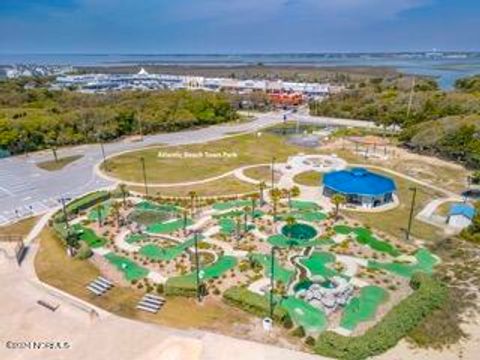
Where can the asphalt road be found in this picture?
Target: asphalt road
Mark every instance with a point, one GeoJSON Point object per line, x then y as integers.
{"type": "Point", "coordinates": [26, 189]}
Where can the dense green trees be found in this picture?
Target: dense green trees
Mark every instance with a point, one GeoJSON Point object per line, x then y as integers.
{"type": "Point", "coordinates": [32, 119]}
{"type": "Point", "coordinates": [434, 121]}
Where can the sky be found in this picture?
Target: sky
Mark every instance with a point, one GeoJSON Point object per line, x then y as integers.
{"type": "Point", "coordinates": [237, 26]}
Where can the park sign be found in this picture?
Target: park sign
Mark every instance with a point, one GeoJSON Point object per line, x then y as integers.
{"type": "Point", "coordinates": [197, 155]}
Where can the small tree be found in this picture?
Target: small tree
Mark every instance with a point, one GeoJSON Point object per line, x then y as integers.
{"type": "Point", "coordinates": [116, 212]}
{"type": "Point", "coordinates": [124, 192]}
{"type": "Point", "coordinates": [99, 209]}
{"type": "Point", "coordinates": [261, 188]}
{"type": "Point", "coordinates": [337, 200]}
{"type": "Point", "coordinates": [290, 222]}
{"type": "Point", "coordinates": [192, 195]}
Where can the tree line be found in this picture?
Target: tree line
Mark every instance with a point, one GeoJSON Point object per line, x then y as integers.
{"type": "Point", "coordinates": [444, 123]}
{"type": "Point", "coordinates": [38, 118]}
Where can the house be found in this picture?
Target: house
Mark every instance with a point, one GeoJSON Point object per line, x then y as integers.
{"type": "Point", "coordinates": [460, 215]}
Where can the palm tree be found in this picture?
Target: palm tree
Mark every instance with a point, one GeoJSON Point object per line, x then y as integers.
{"type": "Point", "coordinates": [337, 200]}
{"type": "Point", "coordinates": [193, 195]}
{"type": "Point", "coordinates": [290, 222]}
{"type": "Point", "coordinates": [295, 191]}
{"type": "Point", "coordinates": [254, 204]}
{"type": "Point", "coordinates": [275, 195]}
{"type": "Point", "coordinates": [124, 191]}
{"type": "Point", "coordinates": [238, 223]}
{"type": "Point", "coordinates": [261, 187]}
{"type": "Point", "coordinates": [99, 209]}
{"type": "Point", "coordinates": [185, 214]}
{"type": "Point", "coordinates": [116, 212]}
{"type": "Point", "coordinates": [246, 210]}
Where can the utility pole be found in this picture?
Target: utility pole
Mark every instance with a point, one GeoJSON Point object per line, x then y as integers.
{"type": "Point", "coordinates": [272, 277]}
{"type": "Point", "coordinates": [412, 208]}
{"type": "Point", "coordinates": [197, 265]}
{"type": "Point", "coordinates": [144, 170]}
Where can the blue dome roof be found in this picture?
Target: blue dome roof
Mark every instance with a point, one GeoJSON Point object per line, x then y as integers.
{"type": "Point", "coordinates": [359, 181]}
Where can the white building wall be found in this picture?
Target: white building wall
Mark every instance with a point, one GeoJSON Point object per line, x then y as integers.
{"type": "Point", "coordinates": [459, 221]}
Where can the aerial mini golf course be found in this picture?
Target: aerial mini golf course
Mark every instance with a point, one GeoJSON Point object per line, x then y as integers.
{"type": "Point", "coordinates": [307, 255]}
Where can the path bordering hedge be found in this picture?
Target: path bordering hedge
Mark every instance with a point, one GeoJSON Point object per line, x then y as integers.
{"type": "Point", "coordinates": [429, 295]}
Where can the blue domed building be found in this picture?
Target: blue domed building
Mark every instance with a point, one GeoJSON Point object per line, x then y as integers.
{"type": "Point", "coordinates": [360, 187]}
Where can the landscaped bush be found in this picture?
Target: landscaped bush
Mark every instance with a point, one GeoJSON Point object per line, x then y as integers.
{"type": "Point", "coordinates": [82, 203]}
{"type": "Point", "coordinates": [253, 303]}
{"type": "Point", "coordinates": [84, 251]}
{"type": "Point", "coordinates": [429, 295]}
{"type": "Point", "coordinates": [182, 286]}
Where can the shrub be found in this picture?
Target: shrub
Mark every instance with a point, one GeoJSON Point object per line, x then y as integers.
{"type": "Point", "coordinates": [299, 332]}
{"type": "Point", "coordinates": [253, 303]}
{"type": "Point", "coordinates": [84, 251]}
{"type": "Point", "coordinates": [310, 341]}
{"type": "Point", "coordinates": [429, 295]}
{"type": "Point", "coordinates": [287, 323]}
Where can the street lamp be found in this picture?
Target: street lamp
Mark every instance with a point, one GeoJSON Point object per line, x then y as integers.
{"type": "Point", "coordinates": [63, 201]}
{"type": "Point", "coordinates": [197, 265]}
{"type": "Point", "coordinates": [412, 208]}
{"type": "Point", "coordinates": [144, 170]}
{"type": "Point", "coordinates": [103, 155]}
{"type": "Point", "coordinates": [272, 278]}
{"type": "Point", "coordinates": [273, 172]}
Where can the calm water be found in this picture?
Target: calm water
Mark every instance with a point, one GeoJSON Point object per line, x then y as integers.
{"type": "Point", "coordinates": [446, 68]}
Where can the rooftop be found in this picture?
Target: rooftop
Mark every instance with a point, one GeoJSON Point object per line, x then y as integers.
{"type": "Point", "coordinates": [462, 209]}
{"type": "Point", "coordinates": [359, 181]}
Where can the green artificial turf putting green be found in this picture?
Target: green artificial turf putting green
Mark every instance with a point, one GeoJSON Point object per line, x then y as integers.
{"type": "Point", "coordinates": [89, 236]}
{"type": "Point", "coordinates": [217, 269]}
{"type": "Point", "coordinates": [342, 229]}
{"type": "Point", "coordinates": [131, 270]}
{"type": "Point", "coordinates": [168, 226]}
{"type": "Point", "coordinates": [282, 241]}
{"type": "Point", "coordinates": [280, 273]}
{"type": "Point", "coordinates": [303, 314]}
{"type": "Point", "coordinates": [304, 205]}
{"type": "Point", "coordinates": [156, 252]}
{"type": "Point", "coordinates": [364, 307]}
{"type": "Point", "coordinates": [365, 237]}
{"type": "Point", "coordinates": [426, 262]}
{"type": "Point", "coordinates": [134, 238]}
{"type": "Point", "coordinates": [105, 209]}
{"type": "Point", "coordinates": [318, 263]}
{"type": "Point", "coordinates": [227, 205]}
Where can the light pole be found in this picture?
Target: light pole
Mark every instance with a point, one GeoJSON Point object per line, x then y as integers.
{"type": "Point", "coordinates": [64, 209]}
{"type": "Point", "coordinates": [273, 172]}
{"type": "Point", "coordinates": [412, 208]}
{"type": "Point", "coordinates": [103, 155]}
{"type": "Point", "coordinates": [144, 170]}
{"type": "Point", "coordinates": [272, 278]}
{"type": "Point", "coordinates": [197, 265]}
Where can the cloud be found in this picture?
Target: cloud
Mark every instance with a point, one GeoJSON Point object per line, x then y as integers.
{"type": "Point", "coordinates": [246, 10]}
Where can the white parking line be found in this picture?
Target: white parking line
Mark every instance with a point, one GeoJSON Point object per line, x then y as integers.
{"type": "Point", "coordinates": [7, 191]}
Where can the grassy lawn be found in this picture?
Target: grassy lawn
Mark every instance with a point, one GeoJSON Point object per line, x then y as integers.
{"type": "Point", "coordinates": [262, 173]}
{"type": "Point", "coordinates": [226, 186]}
{"type": "Point", "coordinates": [52, 165]}
{"type": "Point", "coordinates": [54, 267]}
{"type": "Point", "coordinates": [395, 221]}
{"type": "Point", "coordinates": [244, 150]}
{"type": "Point", "coordinates": [22, 228]}
{"type": "Point", "coordinates": [309, 178]}
{"type": "Point", "coordinates": [444, 209]}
